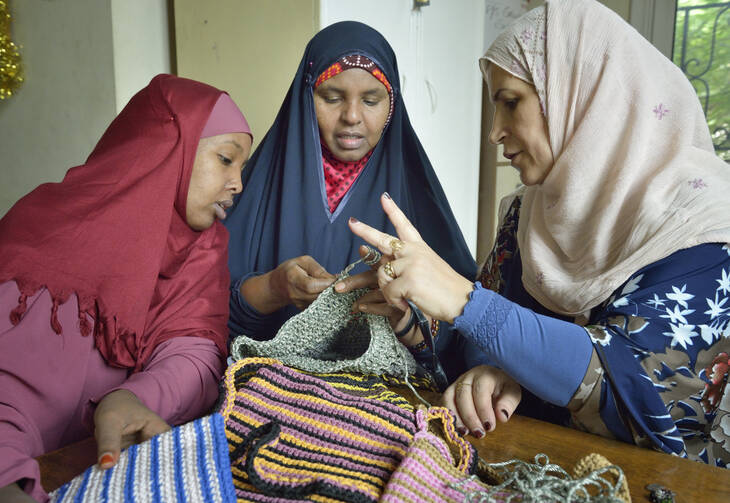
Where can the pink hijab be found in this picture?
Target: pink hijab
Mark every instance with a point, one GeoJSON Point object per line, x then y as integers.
{"type": "Point", "coordinates": [635, 175]}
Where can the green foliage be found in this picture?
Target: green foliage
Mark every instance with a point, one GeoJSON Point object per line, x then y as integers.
{"type": "Point", "coordinates": [712, 83]}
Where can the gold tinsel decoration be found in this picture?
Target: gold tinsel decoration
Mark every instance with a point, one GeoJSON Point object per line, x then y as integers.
{"type": "Point", "coordinates": [11, 69]}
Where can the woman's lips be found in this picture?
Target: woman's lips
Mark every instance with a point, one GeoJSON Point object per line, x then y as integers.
{"type": "Point", "coordinates": [220, 208]}
{"type": "Point", "coordinates": [349, 141]}
{"type": "Point", "coordinates": [512, 157]}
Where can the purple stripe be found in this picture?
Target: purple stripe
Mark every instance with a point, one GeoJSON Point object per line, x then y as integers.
{"type": "Point", "coordinates": [348, 485]}
{"type": "Point", "coordinates": [329, 414]}
{"type": "Point", "coordinates": [397, 491]}
{"type": "Point", "coordinates": [335, 461]}
{"type": "Point", "coordinates": [318, 387]}
{"type": "Point", "coordinates": [385, 456]}
{"type": "Point", "coordinates": [245, 495]}
{"type": "Point", "coordinates": [245, 404]}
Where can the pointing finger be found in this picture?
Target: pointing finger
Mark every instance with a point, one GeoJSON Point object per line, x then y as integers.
{"type": "Point", "coordinates": [405, 229]}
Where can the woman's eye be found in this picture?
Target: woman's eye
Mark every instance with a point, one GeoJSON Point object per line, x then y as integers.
{"type": "Point", "coordinates": [371, 103]}
{"type": "Point", "coordinates": [511, 104]}
{"type": "Point", "coordinates": [225, 160]}
{"type": "Point", "coordinates": [331, 99]}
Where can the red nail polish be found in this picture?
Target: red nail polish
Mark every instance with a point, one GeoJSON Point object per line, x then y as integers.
{"type": "Point", "coordinates": [461, 431]}
{"type": "Point", "coordinates": [487, 425]}
{"type": "Point", "coordinates": [506, 415]}
{"type": "Point", "coordinates": [477, 433]}
{"type": "Point", "coordinates": [106, 460]}
{"type": "Point", "coordinates": [353, 220]}
{"type": "Point", "coordinates": [387, 196]}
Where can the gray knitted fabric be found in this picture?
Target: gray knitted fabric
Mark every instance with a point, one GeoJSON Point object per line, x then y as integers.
{"type": "Point", "coordinates": [327, 337]}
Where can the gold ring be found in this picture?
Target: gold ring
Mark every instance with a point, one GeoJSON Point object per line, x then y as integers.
{"type": "Point", "coordinates": [396, 245]}
{"type": "Point", "coordinates": [388, 269]}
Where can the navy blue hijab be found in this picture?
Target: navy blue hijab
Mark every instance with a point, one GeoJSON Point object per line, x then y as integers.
{"type": "Point", "coordinates": [283, 213]}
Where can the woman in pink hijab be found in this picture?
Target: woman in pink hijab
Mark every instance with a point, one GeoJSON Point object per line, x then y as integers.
{"type": "Point", "coordinates": [114, 285]}
{"type": "Point", "coordinates": [606, 300]}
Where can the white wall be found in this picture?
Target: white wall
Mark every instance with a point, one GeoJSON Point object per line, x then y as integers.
{"type": "Point", "coordinates": [81, 59]}
{"type": "Point", "coordinates": [141, 45]}
{"type": "Point", "coordinates": [437, 50]}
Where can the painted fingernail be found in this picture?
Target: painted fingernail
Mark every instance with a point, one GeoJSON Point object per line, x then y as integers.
{"type": "Point", "coordinates": [387, 196]}
{"type": "Point", "coordinates": [506, 414]}
{"type": "Point", "coordinates": [106, 460]}
{"type": "Point", "coordinates": [487, 426]}
{"type": "Point", "coordinates": [477, 433]}
{"type": "Point", "coordinates": [354, 220]}
{"type": "Point", "coordinates": [462, 431]}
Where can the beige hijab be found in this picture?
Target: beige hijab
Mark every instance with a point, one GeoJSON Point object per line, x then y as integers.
{"type": "Point", "coordinates": [635, 175]}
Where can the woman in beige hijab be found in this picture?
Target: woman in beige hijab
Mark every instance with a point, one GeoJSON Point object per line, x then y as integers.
{"type": "Point", "coordinates": [606, 296]}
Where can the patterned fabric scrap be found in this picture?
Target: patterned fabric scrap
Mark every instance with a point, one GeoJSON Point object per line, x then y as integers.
{"type": "Point", "coordinates": [306, 438]}
{"type": "Point", "coordinates": [188, 463]}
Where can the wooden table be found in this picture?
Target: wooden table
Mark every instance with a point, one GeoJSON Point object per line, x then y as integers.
{"type": "Point", "coordinates": [520, 438]}
{"type": "Point", "coordinates": [524, 437]}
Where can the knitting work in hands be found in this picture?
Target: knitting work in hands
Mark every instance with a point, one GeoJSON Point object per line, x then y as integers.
{"type": "Point", "coordinates": [328, 337]}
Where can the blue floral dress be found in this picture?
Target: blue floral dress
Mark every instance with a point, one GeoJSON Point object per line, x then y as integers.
{"type": "Point", "coordinates": [659, 370]}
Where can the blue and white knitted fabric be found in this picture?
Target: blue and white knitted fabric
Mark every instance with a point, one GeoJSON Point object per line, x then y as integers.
{"type": "Point", "coordinates": [187, 464]}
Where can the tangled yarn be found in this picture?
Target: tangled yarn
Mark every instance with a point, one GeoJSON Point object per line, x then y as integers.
{"type": "Point", "coordinates": [543, 481]}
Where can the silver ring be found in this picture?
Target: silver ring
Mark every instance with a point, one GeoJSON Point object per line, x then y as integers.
{"type": "Point", "coordinates": [373, 256]}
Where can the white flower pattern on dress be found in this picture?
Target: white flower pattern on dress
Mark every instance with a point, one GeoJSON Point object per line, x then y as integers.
{"type": "Point", "coordinates": [680, 296]}
{"type": "Point", "coordinates": [661, 343]}
{"type": "Point", "coordinates": [681, 334]}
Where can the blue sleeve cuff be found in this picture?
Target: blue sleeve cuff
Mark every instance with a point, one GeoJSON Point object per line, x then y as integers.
{"type": "Point", "coordinates": [483, 314]}
{"type": "Point", "coordinates": [240, 300]}
{"type": "Point", "coordinates": [546, 355]}
{"type": "Point", "coordinates": [246, 319]}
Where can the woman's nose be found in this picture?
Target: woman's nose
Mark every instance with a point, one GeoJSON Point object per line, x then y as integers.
{"type": "Point", "coordinates": [235, 184]}
{"type": "Point", "coordinates": [496, 134]}
{"type": "Point", "coordinates": [351, 114]}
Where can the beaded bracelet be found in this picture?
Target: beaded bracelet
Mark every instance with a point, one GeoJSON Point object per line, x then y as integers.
{"type": "Point", "coordinates": [417, 348]}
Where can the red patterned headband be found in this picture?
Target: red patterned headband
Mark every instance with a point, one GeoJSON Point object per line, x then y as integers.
{"type": "Point", "coordinates": [357, 61]}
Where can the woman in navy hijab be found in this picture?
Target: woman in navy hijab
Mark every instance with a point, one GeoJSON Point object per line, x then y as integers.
{"type": "Point", "coordinates": [341, 138]}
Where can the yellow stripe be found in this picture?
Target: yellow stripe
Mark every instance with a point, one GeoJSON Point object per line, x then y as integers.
{"type": "Point", "coordinates": [317, 448]}
{"type": "Point", "coordinates": [332, 429]}
{"type": "Point", "coordinates": [259, 464]}
{"type": "Point", "coordinates": [321, 402]}
{"type": "Point", "coordinates": [316, 467]}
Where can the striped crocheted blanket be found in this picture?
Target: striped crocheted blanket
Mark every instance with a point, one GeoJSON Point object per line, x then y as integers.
{"type": "Point", "coordinates": [187, 464]}
{"type": "Point", "coordinates": [304, 437]}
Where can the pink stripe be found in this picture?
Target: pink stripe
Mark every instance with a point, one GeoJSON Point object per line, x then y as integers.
{"type": "Point", "coordinates": [322, 389]}
{"type": "Point", "coordinates": [328, 417]}
{"type": "Point", "coordinates": [391, 458]}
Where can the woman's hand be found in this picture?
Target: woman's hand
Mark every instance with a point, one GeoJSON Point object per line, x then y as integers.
{"type": "Point", "coordinates": [121, 420]}
{"type": "Point", "coordinates": [299, 281]}
{"type": "Point", "coordinates": [481, 397]}
{"type": "Point", "coordinates": [415, 271]}
{"type": "Point", "coordinates": [374, 301]}
{"type": "Point", "coordinates": [296, 281]}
